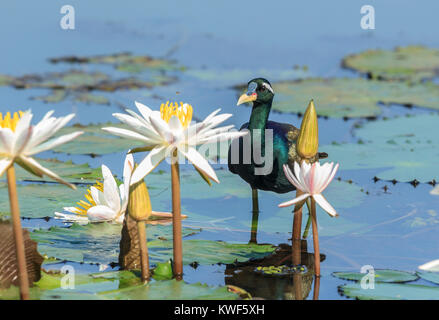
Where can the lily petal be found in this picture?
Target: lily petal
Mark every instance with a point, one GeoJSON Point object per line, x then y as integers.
{"type": "Point", "coordinates": [4, 165]}
{"type": "Point", "coordinates": [320, 199]}
{"type": "Point", "coordinates": [37, 168]}
{"type": "Point", "coordinates": [200, 162]}
{"type": "Point", "coordinates": [101, 213]}
{"type": "Point", "coordinates": [152, 160]}
{"type": "Point", "coordinates": [300, 198]}
{"type": "Point", "coordinates": [111, 191]}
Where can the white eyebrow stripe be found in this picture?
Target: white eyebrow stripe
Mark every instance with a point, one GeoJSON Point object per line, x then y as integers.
{"type": "Point", "coordinates": [266, 85]}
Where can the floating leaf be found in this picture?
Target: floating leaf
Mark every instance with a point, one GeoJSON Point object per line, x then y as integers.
{"type": "Point", "coordinates": [207, 252]}
{"type": "Point", "coordinates": [172, 290]}
{"type": "Point", "coordinates": [347, 97]}
{"type": "Point", "coordinates": [67, 170]}
{"type": "Point", "coordinates": [95, 141]}
{"type": "Point", "coordinates": [429, 276]}
{"type": "Point", "coordinates": [391, 291]}
{"type": "Point", "coordinates": [401, 148]}
{"type": "Point", "coordinates": [122, 61]}
{"type": "Point", "coordinates": [381, 275]}
{"type": "Point", "coordinates": [42, 200]}
{"type": "Point", "coordinates": [77, 85]}
{"type": "Point", "coordinates": [92, 243]}
{"type": "Point", "coordinates": [413, 63]}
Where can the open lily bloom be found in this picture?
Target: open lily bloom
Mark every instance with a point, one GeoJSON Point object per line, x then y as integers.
{"type": "Point", "coordinates": [19, 141]}
{"type": "Point", "coordinates": [106, 202]}
{"type": "Point", "coordinates": [311, 179]}
{"type": "Point", "coordinates": [170, 129]}
{"type": "Point", "coordinates": [432, 266]}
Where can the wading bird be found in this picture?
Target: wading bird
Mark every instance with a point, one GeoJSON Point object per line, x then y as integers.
{"type": "Point", "coordinates": [244, 163]}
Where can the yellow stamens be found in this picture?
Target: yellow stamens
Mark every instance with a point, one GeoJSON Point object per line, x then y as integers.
{"type": "Point", "coordinates": [182, 112]}
{"type": "Point", "coordinates": [10, 122]}
{"type": "Point", "coordinates": [83, 206]}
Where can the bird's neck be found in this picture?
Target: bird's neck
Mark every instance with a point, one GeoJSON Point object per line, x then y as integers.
{"type": "Point", "coordinates": [259, 116]}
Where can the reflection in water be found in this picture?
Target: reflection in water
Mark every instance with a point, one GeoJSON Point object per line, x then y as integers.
{"type": "Point", "coordinates": [276, 286]}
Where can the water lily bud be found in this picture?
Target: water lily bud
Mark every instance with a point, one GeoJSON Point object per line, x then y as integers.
{"type": "Point", "coordinates": [308, 140]}
{"type": "Point", "coordinates": [139, 204]}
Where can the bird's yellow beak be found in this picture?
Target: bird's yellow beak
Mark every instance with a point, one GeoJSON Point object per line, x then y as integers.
{"type": "Point", "coordinates": [247, 98]}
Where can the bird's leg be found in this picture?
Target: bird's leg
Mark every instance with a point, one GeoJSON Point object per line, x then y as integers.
{"type": "Point", "coordinates": [255, 216]}
{"type": "Point", "coordinates": [308, 222]}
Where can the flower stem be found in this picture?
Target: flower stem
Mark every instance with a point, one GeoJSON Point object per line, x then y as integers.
{"type": "Point", "coordinates": [315, 236]}
{"type": "Point", "coordinates": [144, 261]}
{"type": "Point", "coordinates": [176, 218]}
{"type": "Point", "coordinates": [308, 222]}
{"type": "Point", "coordinates": [18, 234]}
{"type": "Point", "coordinates": [297, 229]}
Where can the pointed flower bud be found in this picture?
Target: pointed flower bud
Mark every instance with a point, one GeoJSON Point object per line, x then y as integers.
{"type": "Point", "coordinates": [308, 140]}
{"type": "Point", "coordinates": [139, 203]}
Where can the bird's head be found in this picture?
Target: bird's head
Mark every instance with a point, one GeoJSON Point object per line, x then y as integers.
{"type": "Point", "coordinates": [259, 90]}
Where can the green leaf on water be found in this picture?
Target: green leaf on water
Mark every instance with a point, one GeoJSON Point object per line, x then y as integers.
{"type": "Point", "coordinates": [411, 155]}
{"type": "Point", "coordinates": [390, 291]}
{"type": "Point", "coordinates": [42, 200]}
{"type": "Point", "coordinates": [67, 170]}
{"type": "Point", "coordinates": [350, 97]}
{"type": "Point", "coordinates": [93, 243]}
{"type": "Point", "coordinates": [118, 285]}
{"type": "Point", "coordinates": [381, 275]}
{"type": "Point", "coordinates": [207, 252]}
{"type": "Point", "coordinates": [413, 63]}
{"type": "Point", "coordinates": [95, 141]}
{"type": "Point", "coordinates": [429, 276]}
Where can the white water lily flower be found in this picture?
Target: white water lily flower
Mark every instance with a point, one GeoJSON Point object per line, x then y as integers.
{"type": "Point", "coordinates": [311, 179]}
{"type": "Point", "coordinates": [19, 141]}
{"type": "Point", "coordinates": [106, 202]}
{"type": "Point", "coordinates": [169, 129]}
{"type": "Point", "coordinates": [432, 266]}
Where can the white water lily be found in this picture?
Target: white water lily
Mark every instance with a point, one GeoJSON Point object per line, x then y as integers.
{"type": "Point", "coordinates": [311, 179]}
{"type": "Point", "coordinates": [106, 202]}
{"type": "Point", "coordinates": [432, 266]}
{"type": "Point", "coordinates": [169, 129]}
{"type": "Point", "coordinates": [19, 141]}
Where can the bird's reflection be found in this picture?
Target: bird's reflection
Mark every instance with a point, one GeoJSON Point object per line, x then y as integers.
{"type": "Point", "coordinates": [293, 285]}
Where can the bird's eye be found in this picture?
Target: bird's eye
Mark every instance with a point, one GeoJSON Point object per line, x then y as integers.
{"type": "Point", "coordinates": [262, 89]}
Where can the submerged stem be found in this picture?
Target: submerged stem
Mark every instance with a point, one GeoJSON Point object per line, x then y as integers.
{"type": "Point", "coordinates": [315, 235]}
{"type": "Point", "coordinates": [297, 230]}
{"type": "Point", "coordinates": [18, 234]}
{"type": "Point", "coordinates": [144, 260]}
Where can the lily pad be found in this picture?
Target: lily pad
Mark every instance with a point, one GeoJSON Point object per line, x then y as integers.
{"type": "Point", "coordinates": [351, 98]}
{"type": "Point", "coordinates": [172, 290]}
{"type": "Point", "coordinates": [81, 173]}
{"type": "Point", "coordinates": [401, 148]}
{"type": "Point", "coordinates": [125, 62]}
{"type": "Point", "coordinates": [381, 275]}
{"type": "Point", "coordinates": [119, 285]}
{"type": "Point", "coordinates": [413, 63]}
{"type": "Point", "coordinates": [94, 141]}
{"type": "Point", "coordinates": [77, 85]}
{"type": "Point", "coordinates": [41, 200]}
{"type": "Point", "coordinates": [207, 252]}
{"type": "Point", "coordinates": [92, 243]}
{"type": "Point", "coordinates": [391, 291]}
{"type": "Point", "coordinates": [429, 276]}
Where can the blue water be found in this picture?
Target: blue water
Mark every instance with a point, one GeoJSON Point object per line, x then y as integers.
{"type": "Point", "coordinates": [252, 38]}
